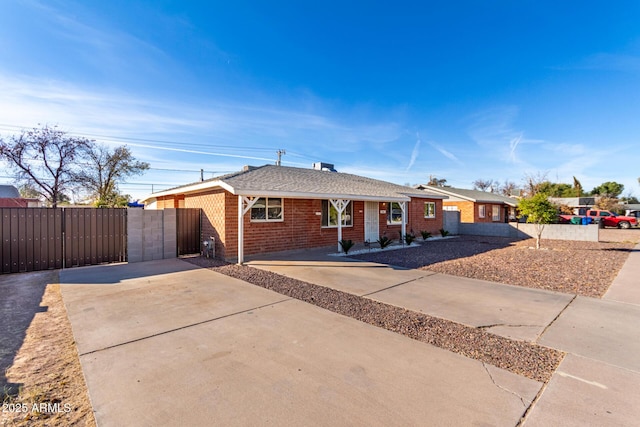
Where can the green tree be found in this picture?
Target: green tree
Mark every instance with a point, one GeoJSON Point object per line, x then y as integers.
{"type": "Point", "coordinates": [44, 158]}
{"type": "Point", "coordinates": [106, 169]}
{"type": "Point", "coordinates": [28, 191]}
{"type": "Point", "coordinates": [553, 189]}
{"type": "Point", "coordinates": [609, 189]}
{"type": "Point", "coordinates": [539, 211]}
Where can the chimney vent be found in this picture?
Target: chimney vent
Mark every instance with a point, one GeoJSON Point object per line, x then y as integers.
{"type": "Point", "coordinates": [321, 166]}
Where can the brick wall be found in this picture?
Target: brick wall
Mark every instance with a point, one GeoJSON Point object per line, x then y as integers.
{"type": "Point", "coordinates": [213, 204]}
{"type": "Point", "coordinates": [301, 228]}
{"type": "Point", "coordinates": [469, 211]}
{"type": "Point", "coordinates": [416, 221]}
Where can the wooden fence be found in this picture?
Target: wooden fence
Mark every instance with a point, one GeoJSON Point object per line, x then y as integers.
{"type": "Point", "coordinates": [49, 238]}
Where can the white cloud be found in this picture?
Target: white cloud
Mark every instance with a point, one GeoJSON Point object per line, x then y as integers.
{"type": "Point", "coordinates": [414, 153]}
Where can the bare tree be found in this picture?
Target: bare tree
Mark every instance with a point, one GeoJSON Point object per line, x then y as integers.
{"type": "Point", "coordinates": [483, 184]}
{"type": "Point", "coordinates": [508, 188]}
{"type": "Point", "coordinates": [533, 182]}
{"type": "Point", "coordinates": [44, 157]}
{"type": "Point", "coordinates": [437, 182]}
{"type": "Point", "coordinates": [106, 169]}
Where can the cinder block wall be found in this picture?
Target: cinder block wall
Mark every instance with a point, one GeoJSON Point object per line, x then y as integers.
{"type": "Point", "coordinates": [451, 221]}
{"type": "Point", "coordinates": [516, 230]}
{"type": "Point", "coordinates": [151, 234]}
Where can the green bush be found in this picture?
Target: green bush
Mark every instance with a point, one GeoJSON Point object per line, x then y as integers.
{"type": "Point", "coordinates": [425, 234]}
{"type": "Point", "coordinates": [346, 245]}
{"type": "Point", "coordinates": [384, 241]}
{"type": "Point", "coordinates": [443, 232]}
{"type": "Point", "coordinates": [409, 238]}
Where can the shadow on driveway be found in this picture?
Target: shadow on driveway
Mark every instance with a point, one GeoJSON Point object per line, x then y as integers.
{"type": "Point", "coordinates": [110, 274]}
{"type": "Point", "coordinates": [435, 251]}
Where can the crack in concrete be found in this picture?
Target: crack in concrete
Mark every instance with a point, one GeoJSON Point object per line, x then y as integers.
{"type": "Point", "coordinates": [555, 318]}
{"type": "Point", "coordinates": [525, 402]}
{"type": "Point", "coordinates": [508, 325]}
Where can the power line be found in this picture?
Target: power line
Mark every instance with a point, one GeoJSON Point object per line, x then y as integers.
{"type": "Point", "coordinates": [153, 141]}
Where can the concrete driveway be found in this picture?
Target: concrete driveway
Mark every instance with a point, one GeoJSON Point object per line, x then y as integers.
{"type": "Point", "coordinates": [165, 343]}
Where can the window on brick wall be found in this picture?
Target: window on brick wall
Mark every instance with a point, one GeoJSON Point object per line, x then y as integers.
{"type": "Point", "coordinates": [495, 213]}
{"type": "Point", "coordinates": [267, 209]}
{"type": "Point", "coordinates": [482, 211]}
{"type": "Point", "coordinates": [429, 210]}
{"type": "Point", "coordinates": [394, 214]}
{"type": "Point", "coordinates": [330, 215]}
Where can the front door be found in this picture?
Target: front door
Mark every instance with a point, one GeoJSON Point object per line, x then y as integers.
{"type": "Point", "coordinates": [371, 226]}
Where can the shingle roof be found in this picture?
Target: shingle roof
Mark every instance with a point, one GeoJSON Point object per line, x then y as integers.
{"type": "Point", "coordinates": [9, 192]}
{"type": "Point", "coordinates": [471, 195]}
{"type": "Point", "coordinates": [283, 181]}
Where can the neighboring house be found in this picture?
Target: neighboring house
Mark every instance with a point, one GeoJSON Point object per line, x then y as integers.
{"type": "Point", "coordinates": [10, 198]}
{"type": "Point", "coordinates": [632, 210]}
{"type": "Point", "coordinates": [577, 204]}
{"type": "Point", "coordinates": [475, 205]}
{"type": "Point", "coordinates": [275, 208]}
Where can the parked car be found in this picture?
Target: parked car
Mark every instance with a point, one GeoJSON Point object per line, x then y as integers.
{"type": "Point", "coordinates": [606, 218]}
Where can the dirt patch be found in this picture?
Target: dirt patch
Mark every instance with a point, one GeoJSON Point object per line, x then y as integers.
{"type": "Point", "coordinates": [631, 235]}
{"type": "Point", "coordinates": [583, 268]}
{"type": "Point", "coordinates": [44, 384]}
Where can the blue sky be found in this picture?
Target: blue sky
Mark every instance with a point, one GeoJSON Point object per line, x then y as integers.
{"type": "Point", "coordinates": [391, 90]}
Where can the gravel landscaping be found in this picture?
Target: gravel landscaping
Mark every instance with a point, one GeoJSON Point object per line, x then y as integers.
{"type": "Point", "coordinates": [583, 268]}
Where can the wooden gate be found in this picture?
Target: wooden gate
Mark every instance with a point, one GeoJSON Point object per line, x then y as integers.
{"type": "Point", "coordinates": [188, 231]}
{"type": "Point", "coordinates": [48, 238]}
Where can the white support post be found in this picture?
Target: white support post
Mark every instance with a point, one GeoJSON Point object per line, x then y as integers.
{"type": "Point", "coordinates": [240, 230]}
{"type": "Point", "coordinates": [244, 205]}
{"type": "Point", "coordinates": [340, 206]}
{"type": "Point", "coordinates": [403, 207]}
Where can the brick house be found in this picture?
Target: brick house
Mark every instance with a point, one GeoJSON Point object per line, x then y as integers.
{"type": "Point", "coordinates": [274, 208]}
{"type": "Point", "coordinates": [475, 205]}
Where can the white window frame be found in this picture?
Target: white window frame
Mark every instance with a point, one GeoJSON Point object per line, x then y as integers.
{"type": "Point", "coordinates": [347, 215]}
{"type": "Point", "coordinates": [495, 213]}
{"type": "Point", "coordinates": [390, 213]}
{"type": "Point", "coordinates": [267, 207]}
{"type": "Point", "coordinates": [482, 211]}
{"type": "Point", "coordinates": [430, 210]}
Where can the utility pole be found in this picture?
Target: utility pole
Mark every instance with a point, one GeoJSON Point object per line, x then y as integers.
{"type": "Point", "coordinates": [201, 175]}
{"type": "Point", "coordinates": [280, 153]}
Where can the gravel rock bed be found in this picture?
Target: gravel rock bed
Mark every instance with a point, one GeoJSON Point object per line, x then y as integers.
{"type": "Point", "coordinates": [583, 268]}
{"type": "Point", "coordinates": [523, 358]}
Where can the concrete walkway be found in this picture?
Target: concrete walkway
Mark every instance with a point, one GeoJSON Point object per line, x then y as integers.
{"type": "Point", "coordinates": [598, 383]}
{"type": "Point", "coordinates": [165, 343]}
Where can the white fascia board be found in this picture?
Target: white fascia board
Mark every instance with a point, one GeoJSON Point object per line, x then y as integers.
{"type": "Point", "coordinates": [323, 196]}
{"type": "Point", "coordinates": [426, 196]}
{"type": "Point", "coordinates": [191, 188]}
